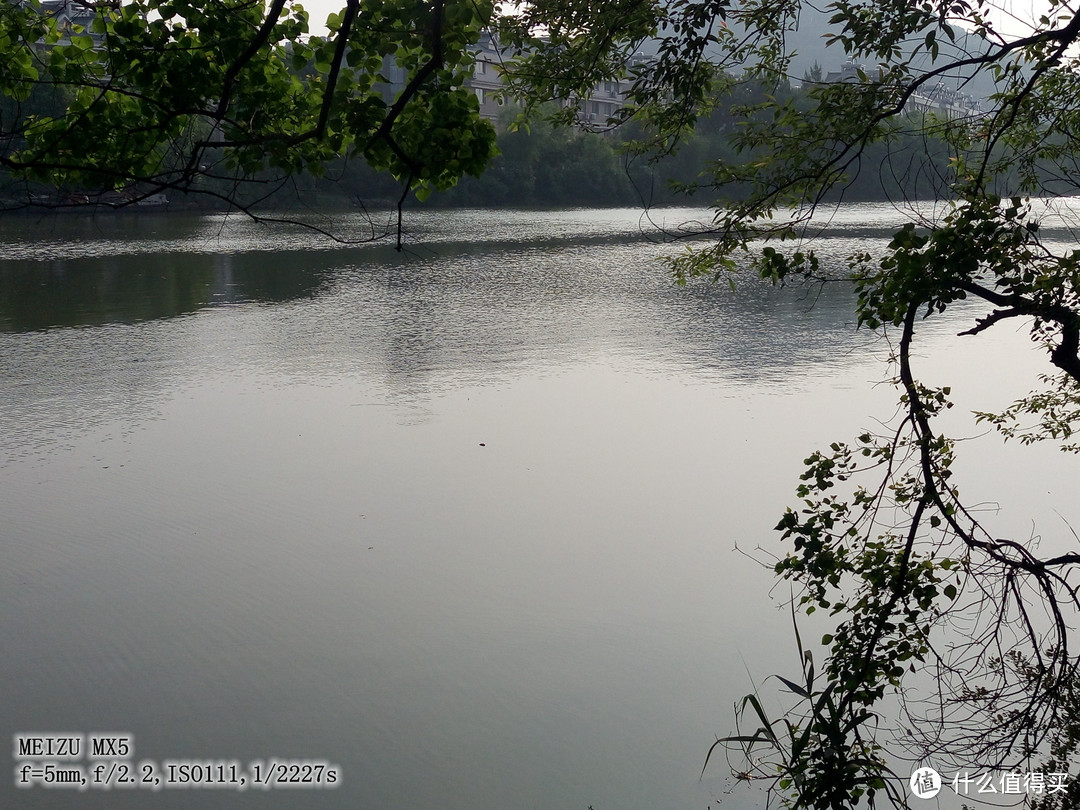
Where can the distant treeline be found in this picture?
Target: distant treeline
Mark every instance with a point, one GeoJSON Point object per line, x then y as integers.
{"type": "Point", "coordinates": [555, 166]}
{"type": "Point", "coordinates": [544, 165]}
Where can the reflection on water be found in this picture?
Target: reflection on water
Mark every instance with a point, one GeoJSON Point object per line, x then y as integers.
{"type": "Point", "coordinates": [127, 288]}
{"type": "Point", "coordinates": [460, 521]}
{"type": "Point", "coordinates": [505, 309]}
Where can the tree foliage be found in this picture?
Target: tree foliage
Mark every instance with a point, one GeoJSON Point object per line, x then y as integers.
{"type": "Point", "coordinates": [199, 96]}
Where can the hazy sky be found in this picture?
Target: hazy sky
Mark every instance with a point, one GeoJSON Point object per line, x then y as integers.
{"type": "Point", "coordinates": [318, 10]}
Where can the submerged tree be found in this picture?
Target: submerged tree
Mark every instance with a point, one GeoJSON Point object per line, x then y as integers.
{"type": "Point", "coordinates": [186, 95]}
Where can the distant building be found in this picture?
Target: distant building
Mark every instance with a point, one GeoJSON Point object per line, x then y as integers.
{"type": "Point", "coordinates": [487, 79]}
{"type": "Point", "coordinates": [604, 104]}
{"type": "Point", "coordinates": [849, 72]}
{"type": "Point", "coordinates": [944, 101]}
{"type": "Point", "coordinates": [938, 98]}
{"type": "Point", "coordinates": [70, 14]}
{"type": "Point", "coordinates": [488, 82]}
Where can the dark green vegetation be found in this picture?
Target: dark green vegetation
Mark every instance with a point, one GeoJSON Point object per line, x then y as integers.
{"type": "Point", "coordinates": [231, 98]}
{"type": "Point", "coordinates": [551, 165]}
{"type": "Point", "coordinates": [191, 96]}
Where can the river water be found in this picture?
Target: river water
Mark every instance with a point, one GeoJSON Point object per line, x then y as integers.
{"type": "Point", "coordinates": [460, 521]}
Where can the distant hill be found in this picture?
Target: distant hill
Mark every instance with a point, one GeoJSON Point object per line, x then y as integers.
{"type": "Point", "coordinates": [809, 44]}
